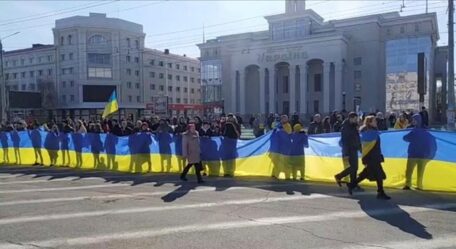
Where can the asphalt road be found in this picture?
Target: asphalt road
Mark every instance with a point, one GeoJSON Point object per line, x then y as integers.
{"type": "Point", "coordinates": [65, 208]}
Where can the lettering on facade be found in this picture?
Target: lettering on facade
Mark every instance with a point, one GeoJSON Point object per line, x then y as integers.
{"type": "Point", "coordinates": [284, 56]}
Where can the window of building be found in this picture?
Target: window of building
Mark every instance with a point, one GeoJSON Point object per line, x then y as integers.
{"type": "Point", "coordinates": [185, 90]}
{"type": "Point", "coordinates": [23, 75]}
{"type": "Point", "coordinates": [137, 85]}
{"type": "Point", "coordinates": [70, 38]}
{"type": "Point", "coordinates": [40, 72]}
{"type": "Point", "coordinates": [137, 59]}
{"type": "Point", "coordinates": [317, 82]}
{"type": "Point", "coordinates": [192, 90]}
{"type": "Point", "coordinates": [130, 98]}
{"type": "Point", "coordinates": [170, 65]}
{"type": "Point", "coordinates": [192, 80]}
{"type": "Point", "coordinates": [100, 59]}
{"type": "Point", "coordinates": [162, 88]}
{"type": "Point", "coordinates": [170, 77]}
{"type": "Point", "coordinates": [14, 63]}
{"type": "Point", "coordinates": [170, 88]}
{"type": "Point", "coordinates": [23, 87]}
{"type": "Point", "coordinates": [138, 99]}
{"type": "Point", "coordinates": [177, 66]}
{"type": "Point", "coordinates": [49, 58]}
{"type": "Point", "coordinates": [161, 63]}
{"type": "Point", "coordinates": [137, 44]}
{"type": "Point", "coordinates": [6, 76]}
{"type": "Point", "coordinates": [62, 40]}
{"type": "Point", "coordinates": [185, 68]}
{"type": "Point", "coordinates": [137, 72]}
{"type": "Point", "coordinates": [185, 79]}
{"type": "Point", "coordinates": [32, 86]}
{"type": "Point", "coordinates": [49, 71]}
{"type": "Point", "coordinates": [129, 85]}
{"type": "Point", "coordinates": [152, 87]}
{"type": "Point", "coordinates": [161, 76]}
{"type": "Point", "coordinates": [199, 81]}
{"type": "Point", "coordinates": [152, 74]}
{"type": "Point", "coordinates": [152, 62]}
{"type": "Point", "coordinates": [128, 71]}
{"type": "Point", "coordinates": [72, 98]}
{"type": "Point", "coordinates": [128, 58]}
{"type": "Point", "coordinates": [63, 84]}
{"type": "Point", "coordinates": [6, 63]}
{"type": "Point", "coordinates": [22, 62]}
{"type": "Point", "coordinates": [100, 72]}
{"type": "Point", "coordinates": [178, 100]}
{"type": "Point", "coordinates": [357, 61]}
{"type": "Point", "coordinates": [199, 70]}
{"type": "Point", "coordinates": [31, 60]}
{"type": "Point", "coordinates": [178, 78]}
{"type": "Point", "coordinates": [71, 56]}
{"type": "Point", "coordinates": [417, 27]}
{"type": "Point", "coordinates": [402, 29]}
{"type": "Point", "coordinates": [357, 75]}
{"type": "Point", "coordinates": [192, 101]}
{"type": "Point", "coordinates": [178, 89]}
{"type": "Point", "coordinates": [62, 57]}
{"type": "Point", "coordinates": [63, 98]}
{"type": "Point", "coordinates": [185, 101]}
{"type": "Point", "coordinates": [40, 59]}
{"type": "Point", "coordinates": [193, 69]}
{"type": "Point", "coordinates": [71, 83]}
{"type": "Point", "coordinates": [32, 74]}
{"type": "Point", "coordinates": [128, 44]}
{"type": "Point", "coordinates": [14, 75]}
{"type": "Point", "coordinates": [70, 70]}
{"type": "Point", "coordinates": [97, 39]}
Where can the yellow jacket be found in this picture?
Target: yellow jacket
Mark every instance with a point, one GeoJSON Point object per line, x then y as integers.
{"type": "Point", "coordinates": [401, 125]}
{"type": "Point", "coordinates": [287, 128]}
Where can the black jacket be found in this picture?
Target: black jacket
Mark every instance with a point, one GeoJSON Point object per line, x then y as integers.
{"type": "Point", "coordinates": [381, 124]}
{"type": "Point", "coordinates": [230, 131]}
{"type": "Point", "coordinates": [349, 140]}
{"type": "Point", "coordinates": [315, 128]}
{"type": "Point", "coordinates": [207, 133]}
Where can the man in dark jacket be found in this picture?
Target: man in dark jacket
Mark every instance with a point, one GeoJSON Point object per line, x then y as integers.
{"type": "Point", "coordinates": [351, 144]}
{"type": "Point", "coordinates": [424, 117]}
{"type": "Point", "coordinates": [381, 122]}
{"type": "Point", "coordinates": [316, 127]}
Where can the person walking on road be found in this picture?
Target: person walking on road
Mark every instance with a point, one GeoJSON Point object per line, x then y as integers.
{"type": "Point", "coordinates": [372, 158]}
{"type": "Point", "coordinates": [191, 152]}
{"type": "Point", "coordinates": [351, 144]}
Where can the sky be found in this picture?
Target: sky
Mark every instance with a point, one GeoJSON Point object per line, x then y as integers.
{"type": "Point", "coordinates": [178, 25]}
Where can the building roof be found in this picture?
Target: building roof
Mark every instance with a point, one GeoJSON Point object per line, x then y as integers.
{"type": "Point", "coordinates": [35, 47]}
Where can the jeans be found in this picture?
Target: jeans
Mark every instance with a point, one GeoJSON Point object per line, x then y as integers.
{"type": "Point", "coordinates": [353, 167]}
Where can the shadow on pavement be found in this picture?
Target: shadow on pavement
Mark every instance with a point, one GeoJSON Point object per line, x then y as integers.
{"type": "Point", "coordinates": [367, 200]}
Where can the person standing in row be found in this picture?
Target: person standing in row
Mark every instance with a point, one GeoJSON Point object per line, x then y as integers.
{"type": "Point", "coordinates": [191, 152]}
{"type": "Point", "coordinates": [351, 144]}
{"type": "Point", "coordinates": [372, 158]}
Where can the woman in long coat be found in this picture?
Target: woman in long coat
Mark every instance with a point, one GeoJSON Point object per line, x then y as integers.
{"type": "Point", "coordinates": [372, 158]}
{"type": "Point", "coordinates": [191, 152]}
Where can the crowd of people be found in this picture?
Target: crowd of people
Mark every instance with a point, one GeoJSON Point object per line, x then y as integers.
{"type": "Point", "coordinates": [229, 126]}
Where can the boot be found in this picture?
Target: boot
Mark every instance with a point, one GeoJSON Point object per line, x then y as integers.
{"type": "Point", "coordinates": [350, 189]}
{"type": "Point", "coordinates": [382, 196]}
{"type": "Point", "coordinates": [338, 180]}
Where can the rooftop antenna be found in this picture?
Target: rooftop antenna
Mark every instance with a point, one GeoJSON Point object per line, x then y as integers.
{"type": "Point", "coordinates": [204, 35]}
{"type": "Point", "coordinates": [402, 6]}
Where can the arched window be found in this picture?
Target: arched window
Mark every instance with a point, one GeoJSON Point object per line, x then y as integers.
{"type": "Point", "coordinates": [97, 39]}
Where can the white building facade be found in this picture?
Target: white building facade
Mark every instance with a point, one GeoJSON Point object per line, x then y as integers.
{"type": "Point", "coordinates": [91, 57]}
{"type": "Point", "coordinates": [306, 65]}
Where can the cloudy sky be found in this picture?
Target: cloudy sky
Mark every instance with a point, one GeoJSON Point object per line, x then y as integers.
{"type": "Point", "coordinates": [178, 25]}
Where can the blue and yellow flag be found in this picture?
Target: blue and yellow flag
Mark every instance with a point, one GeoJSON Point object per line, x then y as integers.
{"type": "Point", "coordinates": [112, 106]}
{"type": "Point", "coordinates": [368, 140]}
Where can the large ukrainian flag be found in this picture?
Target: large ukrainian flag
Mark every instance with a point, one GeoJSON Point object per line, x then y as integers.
{"type": "Point", "coordinates": [112, 106]}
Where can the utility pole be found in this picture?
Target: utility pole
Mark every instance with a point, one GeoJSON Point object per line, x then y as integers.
{"type": "Point", "coordinates": [451, 97]}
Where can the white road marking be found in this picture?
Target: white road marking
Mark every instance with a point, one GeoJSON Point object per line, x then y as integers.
{"type": "Point", "coordinates": [49, 217]}
{"type": "Point", "coordinates": [267, 221]}
{"type": "Point", "coordinates": [15, 191]}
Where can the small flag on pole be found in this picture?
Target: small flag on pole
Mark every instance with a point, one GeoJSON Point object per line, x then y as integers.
{"type": "Point", "coordinates": [112, 106]}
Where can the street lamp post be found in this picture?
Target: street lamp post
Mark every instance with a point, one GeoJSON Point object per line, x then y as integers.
{"type": "Point", "coordinates": [343, 100]}
{"type": "Point", "coordinates": [3, 81]}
